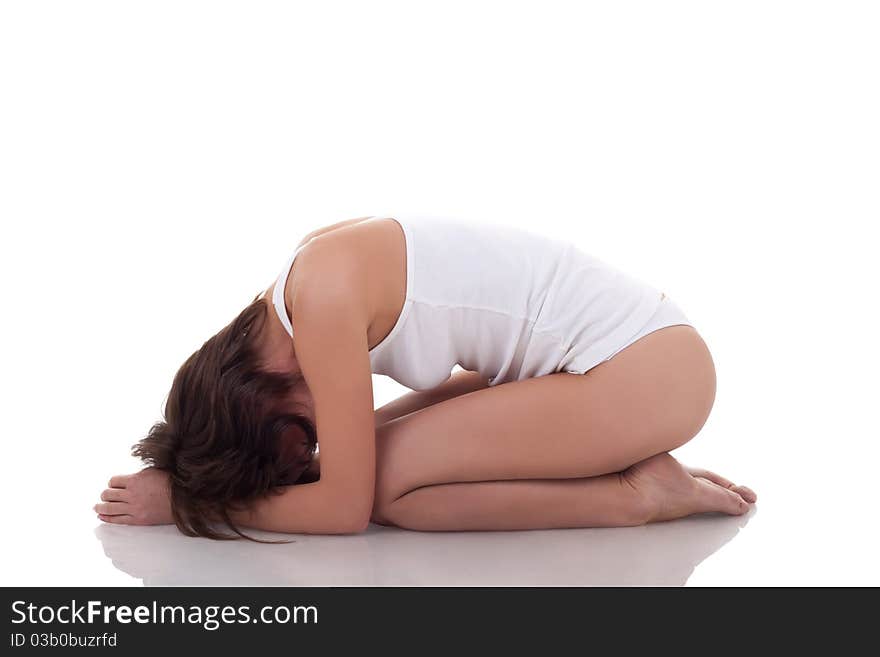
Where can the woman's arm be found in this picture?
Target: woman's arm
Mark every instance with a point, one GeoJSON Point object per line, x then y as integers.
{"type": "Point", "coordinates": [458, 384]}
{"type": "Point", "coordinates": [330, 318]}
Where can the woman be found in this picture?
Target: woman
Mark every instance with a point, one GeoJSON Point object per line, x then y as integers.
{"type": "Point", "coordinates": [577, 381]}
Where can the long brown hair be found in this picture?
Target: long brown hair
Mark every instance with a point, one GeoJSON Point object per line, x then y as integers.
{"type": "Point", "coordinates": [229, 434]}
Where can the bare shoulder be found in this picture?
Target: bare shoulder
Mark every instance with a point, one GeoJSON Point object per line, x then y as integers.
{"type": "Point", "coordinates": [345, 269]}
{"type": "Point", "coordinates": [348, 249]}
{"type": "Point", "coordinates": [331, 228]}
{"type": "Point", "coordinates": [330, 271]}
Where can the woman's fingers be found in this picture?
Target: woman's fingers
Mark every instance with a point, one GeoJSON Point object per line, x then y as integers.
{"type": "Point", "coordinates": [117, 520]}
{"type": "Point", "coordinates": [112, 508]}
{"type": "Point", "coordinates": [119, 481]}
{"type": "Point", "coordinates": [115, 495]}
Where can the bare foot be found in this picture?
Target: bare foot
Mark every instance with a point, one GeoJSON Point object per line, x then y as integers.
{"type": "Point", "coordinates": [673, 491]}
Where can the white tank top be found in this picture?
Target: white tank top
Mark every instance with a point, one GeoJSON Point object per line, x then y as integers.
{"type": "Point", "coordinates": [501, 301]}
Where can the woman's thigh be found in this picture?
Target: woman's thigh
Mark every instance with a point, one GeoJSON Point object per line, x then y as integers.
{"type": "Point", "coordinates": [651, 397]}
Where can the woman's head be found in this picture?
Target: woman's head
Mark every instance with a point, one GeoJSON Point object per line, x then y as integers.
{"type": "Point", "coordinates": [231, 431]}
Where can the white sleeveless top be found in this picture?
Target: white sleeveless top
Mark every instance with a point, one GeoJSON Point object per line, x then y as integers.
{"type": "Point", "coordinates": [501, 301]}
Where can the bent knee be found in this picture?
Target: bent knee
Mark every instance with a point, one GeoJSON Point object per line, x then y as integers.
{"type": "Point", "coordinates": [705, 384]}
{"type": "Point", "coordinates": [695, 388]}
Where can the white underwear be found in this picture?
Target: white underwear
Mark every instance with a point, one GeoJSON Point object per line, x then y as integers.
{"type": "Point", "coordinates": [667, 314]}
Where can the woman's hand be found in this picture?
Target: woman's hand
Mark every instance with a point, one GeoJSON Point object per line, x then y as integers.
{"type": "Point", "coordinates": [143, 498]}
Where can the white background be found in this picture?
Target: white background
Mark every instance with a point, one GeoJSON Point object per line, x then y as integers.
{"type": "Point", "coordinates": [159, 161]}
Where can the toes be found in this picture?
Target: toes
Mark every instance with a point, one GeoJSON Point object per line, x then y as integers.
{"type": "Point", "coordinates": [734, 504]}
{"type": "Point", "coordinates": [711, 476]}
{"type": "Point", "coordinates": [744, 491]}
{"type": "Point", "coordinates": [721, 499]}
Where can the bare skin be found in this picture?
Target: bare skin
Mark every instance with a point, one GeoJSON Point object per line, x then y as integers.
{"type": "Point", "coordinates": [562, 450]}
{"type": "Point", "coordinates": [595, 454]}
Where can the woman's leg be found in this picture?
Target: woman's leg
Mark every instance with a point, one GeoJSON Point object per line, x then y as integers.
{"type": "Point", "coordinates": [654, 490]}
{"type": "Point", "coordinates": [650, 398]}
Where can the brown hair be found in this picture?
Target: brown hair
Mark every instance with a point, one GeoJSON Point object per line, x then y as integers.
{"type": "Point", "coordinates": [229, 435]}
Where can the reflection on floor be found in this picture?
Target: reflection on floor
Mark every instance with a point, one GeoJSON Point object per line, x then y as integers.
{"type": "Point", "coordinates": [662, 554]}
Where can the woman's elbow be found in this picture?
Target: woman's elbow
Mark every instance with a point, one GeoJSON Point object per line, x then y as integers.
{"type": "Point", "coordinates": [354, 519]}
{"type": "Point", "coordinates": [357, 526]}
{"type": "Point", "coordinates": [351, 523]}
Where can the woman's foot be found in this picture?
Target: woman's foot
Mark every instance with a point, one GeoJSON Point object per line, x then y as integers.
{"type": "Point", "coordinates": [671, 490]}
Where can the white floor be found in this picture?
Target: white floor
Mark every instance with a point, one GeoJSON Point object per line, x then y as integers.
{"type": "Point", "coordinates": [662, 554]}
{"type": "Point", "coordinates": [785, 540]}
{"type": "Point", "coordinates": [709, 550]}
